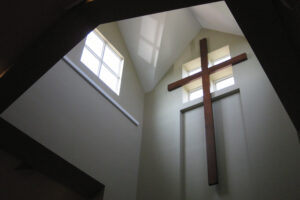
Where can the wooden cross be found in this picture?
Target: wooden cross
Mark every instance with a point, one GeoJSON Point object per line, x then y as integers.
{"type": "Point", "coordinates": [208, 112]}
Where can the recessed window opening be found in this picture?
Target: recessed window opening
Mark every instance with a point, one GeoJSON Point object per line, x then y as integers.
{"type": "Point", "coordinates": [218, 80]}
{"type": "Point", "coordinates": [220, 60]}
{"type": "Point", "coordinates": [194, 71]}
{"type": "Point", "coordinates": [225, 82]}
{"type": "Point", "coordinates": [195, 93]}
{"type": "Point", "coordinates": [101, 58]}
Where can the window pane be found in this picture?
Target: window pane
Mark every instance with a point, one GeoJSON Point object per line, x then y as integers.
{"type": "Point", "coordinates": [195, 71]}
{"type": "Point", "coordinates": [220, 60]}
{"type": "Point", "coordinates": [196, 94]}
{"type": "Point", "coordinates": [95, 43]}
{"type": "Point", "coordinates": [112, 59]}
{"type": "Point", "coordinates": [108, 78]}
{"type": "Point", "coordinates": [90, 61]}
{"type": "Point", "coordinates": [224, 83]}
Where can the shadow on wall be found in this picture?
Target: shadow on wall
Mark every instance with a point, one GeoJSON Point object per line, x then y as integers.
{"type": "Point", "coordinates": [20, 181]}
{"type": "Point", "coordinates": [52, 174]}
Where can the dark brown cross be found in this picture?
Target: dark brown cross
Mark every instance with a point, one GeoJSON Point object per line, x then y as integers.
{"type": "Point", "coordinates": [208, 112]}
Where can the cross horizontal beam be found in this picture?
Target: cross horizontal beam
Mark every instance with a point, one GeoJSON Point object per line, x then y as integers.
{"type": "Point", "coordinates": [233, 61]}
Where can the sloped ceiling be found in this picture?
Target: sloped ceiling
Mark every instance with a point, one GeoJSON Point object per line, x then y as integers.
{"type": "Point", "coordinates": [155, 41]}
{"type": "Point", "coordinates": [216, 16]}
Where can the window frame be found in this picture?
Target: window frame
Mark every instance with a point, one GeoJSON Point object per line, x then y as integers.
{"type": "Point", "coordinates": [194, 90]}
{"type": "Point", "coordinates": [222, 54]}
{"type": "Point", "coordinates": [222, 79]}
{"type": "Point", "coordinates": [222, 59]}
{"type": "Point", "coordinates": [102, 63]}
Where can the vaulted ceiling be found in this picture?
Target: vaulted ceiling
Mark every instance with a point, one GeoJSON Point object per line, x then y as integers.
{"type": "Point", "coordinates": [155, 41]}
{"type": "Point", "coordinates": [216, 16]}
{"type": "Point", "coordinates": [36, 34]}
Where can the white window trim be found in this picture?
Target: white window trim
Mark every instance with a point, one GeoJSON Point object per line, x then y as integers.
{"type": "Point", "coordinates": [221, 58]}
{"type": "Point", "coordinates": [222, 79]}
{"type": "Point", "coordinates": [213, 59]}
{"type": "Point", "coordinates": [194, 90]}
{"type": "Point", "coordinates": [102, 62]}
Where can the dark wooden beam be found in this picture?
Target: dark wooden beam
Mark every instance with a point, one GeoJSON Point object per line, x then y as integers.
{"type": "Point", "coordinates": [233, 61]}
{"type": "Point", "coordinates": [3, 72]}
{"type": "Point", "coordinates": [211, 153]}
{"type": "Point", "coordinates": [184, 81]}
{"type": "Point", "coordinates": [46, 162]}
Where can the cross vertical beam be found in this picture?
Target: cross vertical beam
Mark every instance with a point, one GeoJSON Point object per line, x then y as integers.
{"type": "Point", "coordinates": [208, 115]}
{"type": "Point", "coordinates": [208, 111]}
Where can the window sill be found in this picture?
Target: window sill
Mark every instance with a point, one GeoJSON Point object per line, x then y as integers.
{"type": "Point", "coordinates": [100, 90]}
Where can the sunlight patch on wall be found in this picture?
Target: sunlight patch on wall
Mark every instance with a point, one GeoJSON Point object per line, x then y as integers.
{"type": "Point", "coordinates": [151, 31]}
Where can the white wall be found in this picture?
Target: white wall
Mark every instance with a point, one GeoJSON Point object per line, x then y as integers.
{"type": "Point", "coordinates": [233, 164]}
{"type": "Point", "coordinates": [267, 141]}
{"type": "Point", "coordinates": [68, 116]}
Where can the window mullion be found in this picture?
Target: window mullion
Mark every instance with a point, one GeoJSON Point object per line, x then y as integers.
{"type": "Point", "coordinates": [107, 67]}
{"type": "Point", "coordinates": [101, 59]}
{"type": "Point", "coordinates": [90, 50]}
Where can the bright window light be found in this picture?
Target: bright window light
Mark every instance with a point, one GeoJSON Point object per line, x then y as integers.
{"type": "Point", "coordinates": [95, 43]}
{"type": "Point", "coordinates": [224, 83]}
{"type": "Point", "coordinates": [108, 77]}
{"type": "Point", "coordinates": [218, 79]}
{"type": "Point", "coordinates": [195, 94]}
{"type": "Point", "coordinates": [91, 61]}
{"type": "Point", "coordinates": [220, 60]}
{"type": "Point", "coordinates": [194, 71]}
{"type": "Point", "coordinates": [103, 60]}
{"type": "Point", "coordinates": [112, 59]}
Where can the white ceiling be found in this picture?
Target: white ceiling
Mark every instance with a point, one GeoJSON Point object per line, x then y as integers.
{"type": "Point", "coordinates": [216, 16]}
{"type": "Point", "coordinates": [155, 41]}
